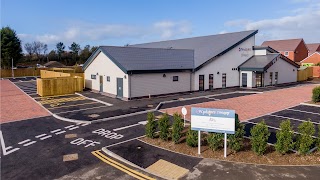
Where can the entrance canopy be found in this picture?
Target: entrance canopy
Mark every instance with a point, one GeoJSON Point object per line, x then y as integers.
{"type": "Point", "coordinates": [259, 63]}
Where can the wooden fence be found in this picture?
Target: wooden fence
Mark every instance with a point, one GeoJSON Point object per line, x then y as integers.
{"type": "Point", "coordinates": [20, 72]}
{"type": "Point", "coordinates": [59, 85]}
{"type": "Point", "coordinates": [304, 74]}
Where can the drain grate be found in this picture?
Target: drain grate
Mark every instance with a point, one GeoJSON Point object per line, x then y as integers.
{"type": "Point", "coordinates": [67, 136]}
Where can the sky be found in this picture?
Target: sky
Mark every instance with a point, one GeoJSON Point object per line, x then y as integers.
{"type": "Point", "coordinates": [121, 22]}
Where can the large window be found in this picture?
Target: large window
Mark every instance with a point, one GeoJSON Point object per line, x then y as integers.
{"type": "Point", "coordinates": [93, 76]}
{"type": "Point", "coordinates": [271, 76]}
{"type": "Point", "coordinates": [210, 81]}
{"type": "Point", "coordinates": [201, 82]}
{"type": "Point", "coordinates": [175, 78]}
{"type": "Point", "coordinates": [259, 79]}
{"type": "Point", "coordinates": [224, 80]}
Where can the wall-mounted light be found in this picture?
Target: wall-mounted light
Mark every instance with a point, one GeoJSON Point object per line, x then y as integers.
{"type": "Point", "coordinates": [218, 72]}
{"type": "Point", "coordinates": [125, 76]}
{"type": "Point", "coordinates": [97, 73]}
{"type": "Point", "coordinates": [293, 69]}
{"type": "Point", "coordinates": [164, 75]}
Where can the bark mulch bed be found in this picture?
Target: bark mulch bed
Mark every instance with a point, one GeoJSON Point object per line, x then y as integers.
{"type": "Point", "coordinates": [246, 155]}
{"type": "Point", "coordinates": [313, 103]}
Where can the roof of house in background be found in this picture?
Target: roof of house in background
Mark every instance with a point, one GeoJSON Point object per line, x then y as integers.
{"type": "Point", "coordinates": [146, 59]}
{"type": "Point", "coordinates": [206, 48]}
{"type": "Point", "coordinates": [53, 64]}
{"type": "Point", "coordinates": [263, 62]}
{"type": "Point", "coordinates": [283, 45]}
{"type": "Point", "coordinates": [315, 47]}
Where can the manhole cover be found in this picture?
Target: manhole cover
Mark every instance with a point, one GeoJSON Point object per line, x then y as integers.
{"type": "Point", "coordinates": [93, 115]}
{"type": "Point", "coordinates": [70, 157]}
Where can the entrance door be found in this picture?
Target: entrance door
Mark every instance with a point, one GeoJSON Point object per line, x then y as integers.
{"type": "Point", "coordinates": [101, 83]}
{"type": "Point", "coordinates": [210, 81]}
{"type": "Point", "coordinates": [201, 82]}
{"type": "Point", "coordinates": [119, 87]}
{"type": "Point", "coordinates": [224, 80]}
{"type": "Point", "coordinates": [259, 79]}
{"type": "Point", "coordinates": [271, 77]}
{"type": "Point", "coordinates": [276, 78]}
{"type": "Point", "coordinates": [244, 79]}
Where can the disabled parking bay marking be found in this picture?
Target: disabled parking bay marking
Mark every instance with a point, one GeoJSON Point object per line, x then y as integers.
{"type": "Point", "coordinates": [4, 148]}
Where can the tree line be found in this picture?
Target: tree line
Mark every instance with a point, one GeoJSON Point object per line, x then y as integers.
{"type": "Point", "coordinates": [37, 51]}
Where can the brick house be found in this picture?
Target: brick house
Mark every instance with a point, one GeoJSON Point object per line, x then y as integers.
{"type": "Point", "coordinates": [311, 60]}
{"type": "Point", "coordinates": [315, 47]}
{"type": "Point", "coordinates": [294, 49]}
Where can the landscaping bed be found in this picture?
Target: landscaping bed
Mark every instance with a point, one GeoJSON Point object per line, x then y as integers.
{"type": "Point", "coordinates": [246, 155]}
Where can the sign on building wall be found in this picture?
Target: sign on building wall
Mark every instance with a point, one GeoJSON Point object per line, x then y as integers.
{"type": "Point", "coordinates": [213, 120]}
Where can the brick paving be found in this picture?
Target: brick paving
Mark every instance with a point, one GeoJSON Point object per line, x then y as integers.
{"type": "Point", "coordinates": [256, 105]}
{"type": "Point", "coordinates": [16, 105]}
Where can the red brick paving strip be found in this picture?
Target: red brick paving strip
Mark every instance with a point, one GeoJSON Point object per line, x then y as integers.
{"type": "Point", "coordinates": [252, 106]}
{"type": "Point", "coordinates": [16, 105]}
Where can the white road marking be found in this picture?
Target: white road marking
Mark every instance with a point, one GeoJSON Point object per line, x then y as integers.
{"type": "Point", "coordinates": [22, 142]}
{"type": "Point", "coordinates": [143, 122]}
{"type": "Point", "coordinates": [304, 111]}
{"type": "Point", "coordinates": [4, 148]}
{"type": "Point", "coordinates": [124, 141]}
{"type": "Point", "coordinates": [85, 124]}
{"type": "Point", "coordinates": [55, 130]}
{"type": "Point", "coordinates": [69, 126]}
{"type": "Point", "coordinates": [40, 135]}
{"type": "Point", "coordinates": [125, 127]}
{"type": "Point", "coordinates": [74, 128]}
{"type": "Point", "coordinates": [292, 118]}
{"type": "Point", "coordinates": [81, 109]}
{"type": "Point", "coordinates": [32, 142]}
{"type": "Point", "coordinates": [46, 137]}
{"type": "Point", "coordinates": [60, 132]}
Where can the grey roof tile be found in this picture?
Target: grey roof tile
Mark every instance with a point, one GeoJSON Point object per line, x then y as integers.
{"type": "Point", "coordinates": [258, 61]}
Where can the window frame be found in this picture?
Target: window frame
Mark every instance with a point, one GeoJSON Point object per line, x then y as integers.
{"type": "Point", "coordinates": [93, 76]}
{"type": "Point", "coordinates": [175, 78]}
{"type": "Point", "coordinates": [108, 78]}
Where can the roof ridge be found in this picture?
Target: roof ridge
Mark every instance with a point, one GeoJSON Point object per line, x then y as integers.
{"type": "Point", "coordinates": [146, 47]}
{"type": "Point", "coordinates": [193, 37]}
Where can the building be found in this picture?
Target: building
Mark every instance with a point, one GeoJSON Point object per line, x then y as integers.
{"type": "Point", "coordinates": [294, 49]}
{"type": "Point", "coordinates": [311, 60]}
{"type": "Point", "coordinates": [315, 47]}
{"type": "Point", "coordinates": [183, 65]}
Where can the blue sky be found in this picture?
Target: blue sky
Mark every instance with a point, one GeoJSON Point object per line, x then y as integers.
{"type": "Point", "coordinates": [120, 22]}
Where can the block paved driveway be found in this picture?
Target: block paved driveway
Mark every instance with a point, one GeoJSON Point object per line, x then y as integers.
{"type": "Point", "coordinates": [256, 105]}
{"type": "Point", "coordinates": [16, 105]}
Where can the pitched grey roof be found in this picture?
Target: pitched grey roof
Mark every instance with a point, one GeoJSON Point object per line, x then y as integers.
{"type": "Point", "coordinates": [142, 59]}
{"type": "Point", "coordinates": [205, 47]}
{"type": "Point", "coordinates": [258, 62]}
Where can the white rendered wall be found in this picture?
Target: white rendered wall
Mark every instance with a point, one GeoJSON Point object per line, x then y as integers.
{"type": "Point", "coordinates": [260, 52]}
{"type": "Point", "coordinates": [224, 64]}
{"type": "Point", "coordinates": [286, 73]}
{"type": "Point", "coordinates": [155, 83]}
{"type": "Point", "coordinates": [105, 67]}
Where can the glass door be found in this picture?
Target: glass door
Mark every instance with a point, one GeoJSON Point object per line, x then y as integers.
{"type": "Point", "coordinates": [259, 80]}
{"type": "Point", "coordinates": [210, 81]}
{"type": "Point", "coordinates": [201, 82]}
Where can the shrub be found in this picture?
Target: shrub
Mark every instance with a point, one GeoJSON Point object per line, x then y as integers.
{"type": "Point", "coordinates": [151, 125]}
{"type": "Point", "coordinates": [192, 138]}
{"type": "Point", "coordinates": [164, 127]}
{"type": "Point", "coordinates": [259, 137]}
{"type": "Point", "coordinates": [284, 137]}
{"type": "Point", "coordinates": [316, 94]}
{"type": "Point", "coordinates": [215, 140]}
{"type": "Point", "coordinates": [177, 127]}
{"type": "Point", "coordinates": [305, 140]}
{"type": "Point", "coordinates": [318, 139]}
{"type": "Point", "coordinates": [236, 140]}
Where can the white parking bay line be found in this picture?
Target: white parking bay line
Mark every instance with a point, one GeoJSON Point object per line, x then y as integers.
{"type": "Point", "coordinates": [69, 126]}
{"type": "Point", "coordinates": [60, 132]}
{"type": "Point", "coordinates": [41, 135]}
{"type": "Point", "coordinates": [55, 130]}
{"type": "Point", "coordinates": [303, 111]}
{"type": "Point", "coordinates": [284, 117]}
{"type": "Point", "coordinates": [46, 137]}
{"type": "Point", "coordinates": [28, 144]}
{"type": "Point", "coordinates": [22, 142]}
{"type": "Point", "coordinates": [125, 127]}
{"type": "Point", "coordinates": [74, 128]}
{"type": "Point", "coordinates": [85, 124]}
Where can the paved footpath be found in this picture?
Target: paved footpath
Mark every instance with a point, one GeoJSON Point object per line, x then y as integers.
{"type": "Point", "coordinates": [256, 105]}
{"type": "Point", "coordinates": [16, 105]}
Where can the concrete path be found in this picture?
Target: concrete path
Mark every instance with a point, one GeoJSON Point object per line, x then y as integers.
{"type": "Point", "coordinates": [256, 105]}
{"type": "Point", "coordinates": [16, 105]}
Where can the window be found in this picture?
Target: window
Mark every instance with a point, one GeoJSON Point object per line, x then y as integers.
{"type": "Point", "coordinates": [210, 81]}
{"type": "Point", "coordinates": [108, 78]}
{"type": "Point", "coordinates": [271, 74]}
{"type": "Point", "coordinates": [286, 53]}
{"type": "Point", "coordinates": [224, 80]}
{"type": "Point", "coordinates": [93, 76]}
{"type": "Point", "coordinates": [175, 78]}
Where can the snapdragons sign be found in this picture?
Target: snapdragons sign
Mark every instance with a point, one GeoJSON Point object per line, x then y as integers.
{"type": "Point", "coordinates": [213, 120]}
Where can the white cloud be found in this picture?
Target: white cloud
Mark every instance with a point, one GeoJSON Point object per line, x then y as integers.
{"type": "Point", "coordinates": [85, 32]}
{"type": "Point", "coordinates": [302, 23]}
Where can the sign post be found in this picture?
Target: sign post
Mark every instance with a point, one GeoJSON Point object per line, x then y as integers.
{"type": "Point", "coordinates": [184, 112]}
{"type": "Point", "coordinates": [213, 120]}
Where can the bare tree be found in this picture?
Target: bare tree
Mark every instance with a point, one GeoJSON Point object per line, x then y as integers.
{"type": "Point", "coordinates": [28, 47]}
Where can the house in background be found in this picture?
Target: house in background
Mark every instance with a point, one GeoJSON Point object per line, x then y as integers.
{"type": "Point", "coordinates": [53, 64]}
{"type": "Point", "coordinates": [311, 60]}
{"type": "Point", "coordinates": [294, 49]}
{"type": "Point", "coordinates": [315, 47]}
{"type": "Point", "coordinates": [185, 65]}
